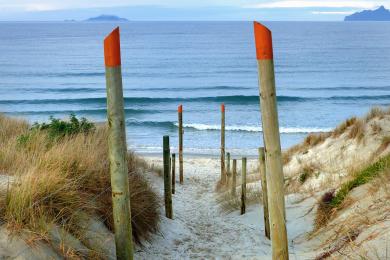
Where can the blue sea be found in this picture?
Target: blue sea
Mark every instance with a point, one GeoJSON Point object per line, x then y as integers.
{"type": "Point", "coordinates": [325, 73]}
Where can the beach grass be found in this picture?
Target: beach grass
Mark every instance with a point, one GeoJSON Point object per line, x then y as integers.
{"type": "Point", "coordinates": [353, 127]}
{"type": "Point", "coordinates": [360, 178]}
{"type": "Point", "coordinates": [61, 169]}
{"type": "Point", "coordinates": [333, 200]}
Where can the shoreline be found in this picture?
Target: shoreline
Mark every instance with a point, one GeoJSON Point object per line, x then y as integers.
{"type": "Point", "coordinates": [192, 155]}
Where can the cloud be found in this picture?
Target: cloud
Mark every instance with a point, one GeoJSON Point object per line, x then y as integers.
{"type": "Point", "coordinates": [333, 12]}
{"type": "Point", "coordinates": [319, 4]}
{"type": "Point", "coordinates": [51, 5]}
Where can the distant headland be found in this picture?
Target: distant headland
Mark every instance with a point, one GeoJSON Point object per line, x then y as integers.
{"type": "Point", "coordinates": [380, 14]}
{"type": "Point", "coordinates": [106, 18]}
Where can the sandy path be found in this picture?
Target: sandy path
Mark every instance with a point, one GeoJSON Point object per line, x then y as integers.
{"type": "Point", "coordinates": [200, 229]}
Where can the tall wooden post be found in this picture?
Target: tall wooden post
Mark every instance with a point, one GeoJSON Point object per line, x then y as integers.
{"type": "Point", "coordinates": [173, 162]}
{"type": "Point", "coordinates": [181, 170]}
{"type": "Point", "coordinates": [117, 149]}
{"type": "Point", "coordinates": [223, 170]}
{"type": "Point", "coordinates": [167, 179]}
{"type": "Point", "coordinates": [263, 178]}
{"type": "Point", "coordinates": [234, 177]}
{"type": "Point", "coordinates": [268, 104]}
{"type": "Point", "coordinates": [243, 186]}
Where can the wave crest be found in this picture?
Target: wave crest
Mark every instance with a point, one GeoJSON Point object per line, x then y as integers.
{"type": "Point", "coordinates": [283, 130]}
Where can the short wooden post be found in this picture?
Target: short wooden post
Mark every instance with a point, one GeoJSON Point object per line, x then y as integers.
{"type": "Point", "coordinates": [117, 149]}
{"type": "Point", "coordinates": [268, 104]}
{"type": "Point", "coordinates": [228, 172]}
{"type": "Point", "coordinates": [263, 178]}
{"type": "Point", "coordinates": [223, 170]}
{"type": "Point", "coordinates": [173, 172]}
{"type": "Point", "coordinates": [181, 167]}
{"type": "Point", "coordinates": [234, 177]}
{"type": "Point", "coordinates": [243, 186]}
{"type": "Point", "coordinates": [167, 179]}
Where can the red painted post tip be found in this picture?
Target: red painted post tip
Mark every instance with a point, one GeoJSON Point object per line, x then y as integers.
{"type": "Point", "coordinates": [223, 107]}
{"type": "Point", "coordinates": [112, 49]}
{"type": "Point", "coordinates": [263, 41]}
{"type": "Point", "coordinates": [180, 109]}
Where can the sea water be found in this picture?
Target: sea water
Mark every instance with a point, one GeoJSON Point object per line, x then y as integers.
{"type": "Point", "coordinates": [325, 73]}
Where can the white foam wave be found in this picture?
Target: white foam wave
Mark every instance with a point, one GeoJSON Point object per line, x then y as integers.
{"type": "Point", "coordinates": [283, 130]}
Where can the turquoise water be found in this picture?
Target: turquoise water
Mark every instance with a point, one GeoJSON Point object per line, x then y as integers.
{"type": "Point", "coordinates": [325, 72]}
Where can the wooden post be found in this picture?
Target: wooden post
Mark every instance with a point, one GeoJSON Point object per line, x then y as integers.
{"type": "Point", "coordinates": [167, 179]}
{"type": "Point", "coordinates": [264, 189]}
{"type": "Point", "coordinates": [228, 172]}
{"type": "Point", "coordinates": [243, 186]}
{"type": "Point", "coordinates": [234, 176]}
{"type": "Point", "coordinates": [117, 149]}
{"type": "Point", "coordinates": [223, 171]}
{"type": "Point", "coordinates": [173, 172]}
{"type": "Point", "coordinates": [268, 103]}
{"type": "Point", "coordinates": [170, 170]}
{"type": "Point", "coordinates": [181, 167]}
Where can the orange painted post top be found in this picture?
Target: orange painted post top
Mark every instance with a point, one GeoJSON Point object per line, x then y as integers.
{"type": "Point", "coordinates": [223, 107]}
{"type": "Point", "coordinates": [180, 109]}
{"type": "Point", "coordinates": [112, 49]}
{"type": "Point", "coordinates": [263, 40]}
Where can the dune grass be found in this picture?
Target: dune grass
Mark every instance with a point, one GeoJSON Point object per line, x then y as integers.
{"type": "Point", "coordinates": [354, 127]}
{"type": "Point", "coordinates": [331, 201]}
{"type": "Point", "coordinates": [61, 169]}
{"type": "Point", "coordinates": [362, 177]}
{"type": "Point", "coordinates": [230, 203]}
{"type": "Point", "coordinates": [311, 140]}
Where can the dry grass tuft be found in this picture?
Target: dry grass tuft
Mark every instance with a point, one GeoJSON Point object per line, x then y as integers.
{"type": "Point", "coordinates": [231, 203]}
{"type": "Point", "coordinates": [353, 127]}
{"type": "Point", "coordinates": [315, 139]}
{"type": "Point", "coordinates": [339, 130]}
{"type": "Point", "coordinates": [324, 210]}
{"type": "Point", "coordinates": [311, 140]}
{"type": "Point", "coordinates": [375, 112]}
{"type": "Point", "coordinates": [385, 143]}
{"type": "Point", "coordinates": [357, 130]}
{"type": "Point", "coordinates": [57, 180]}
{"type": "Point", "coordinates": [307, 171]}
{"type": "Point", "coordinates": [288, 154]}
{"type": "Point", "coordinates": [376, 128]}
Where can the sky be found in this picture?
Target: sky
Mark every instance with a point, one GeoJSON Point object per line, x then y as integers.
{"type": "Point", "coordinates": [270, 10]}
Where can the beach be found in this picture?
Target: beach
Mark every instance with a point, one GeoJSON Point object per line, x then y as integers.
{"type": "Point", "coordinates": [201, 229]}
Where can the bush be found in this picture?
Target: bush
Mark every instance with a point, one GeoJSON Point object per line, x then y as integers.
{"type": "Point", "coordinates": [58, 128]}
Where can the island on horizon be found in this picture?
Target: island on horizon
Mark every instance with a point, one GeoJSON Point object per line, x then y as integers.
{"type": "Point", "coordinates": [380, 14]}
{"type": "Point", "coordinates": [106, 18]}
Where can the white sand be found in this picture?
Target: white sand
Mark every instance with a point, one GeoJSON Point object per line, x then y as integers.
{"type": "Point", "coordinates": [200, 229]}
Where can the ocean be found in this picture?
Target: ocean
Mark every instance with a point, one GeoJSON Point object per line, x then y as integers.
{"type": "Point", "coordinates": [325, 73]}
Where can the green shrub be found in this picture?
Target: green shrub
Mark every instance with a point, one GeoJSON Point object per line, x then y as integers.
{"type": "Point", "coordinates": [57, 128]}
{"type": "Point", "coordinates": [303, 177]}
{"type": "Point", "coordinates": [361, 178]}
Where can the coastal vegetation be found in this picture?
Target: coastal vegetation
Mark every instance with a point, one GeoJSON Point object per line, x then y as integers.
{"type": "Point", "coordinates": [59, 172]}
{"type": "Point", "coordinates": [332, 201]}
{"type": "Point", "coordinates": [343, 177]}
